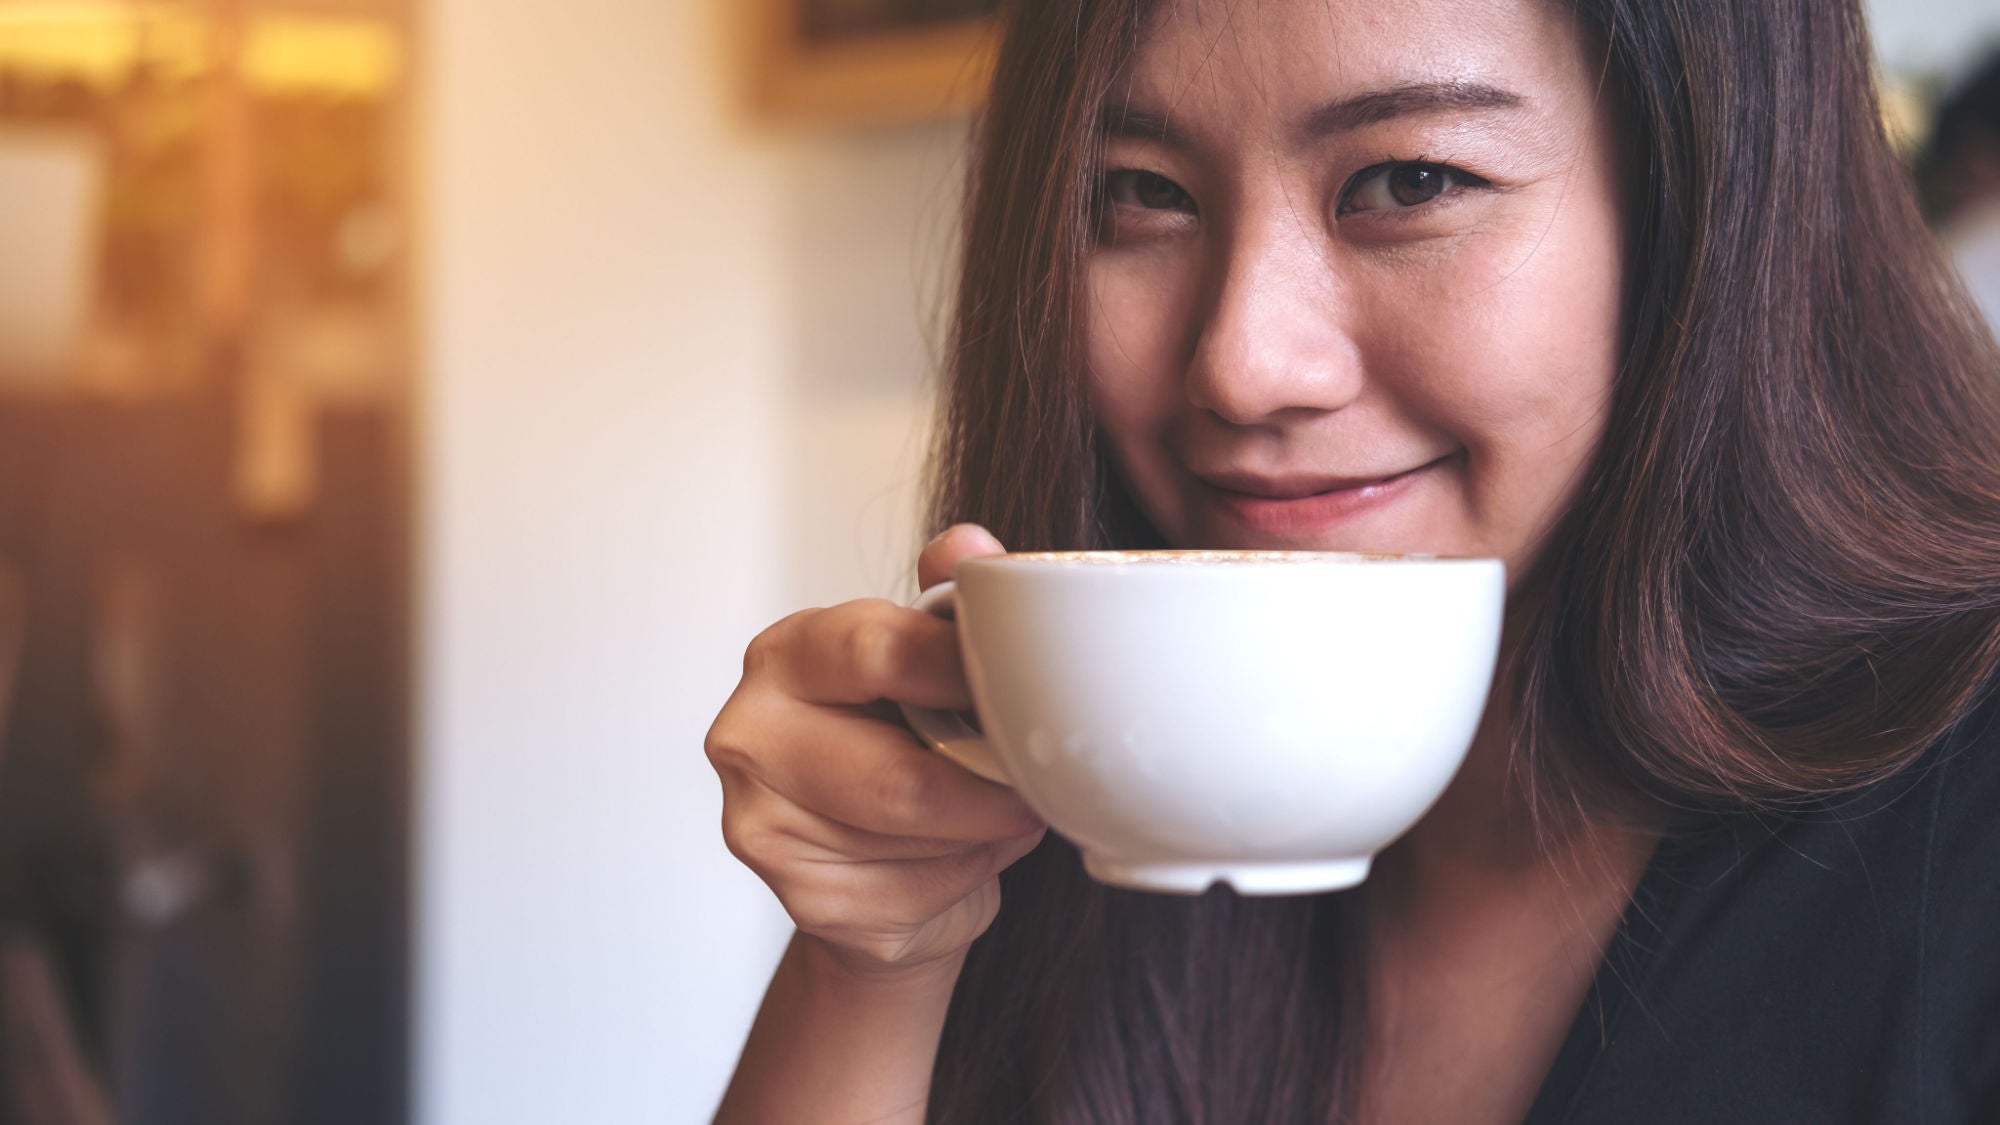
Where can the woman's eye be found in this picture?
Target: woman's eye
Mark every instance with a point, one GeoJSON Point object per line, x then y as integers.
{"type": "Point", "coordinates": [1147, 190]}
{"type": "Point", "coordinates": [1402, 185]}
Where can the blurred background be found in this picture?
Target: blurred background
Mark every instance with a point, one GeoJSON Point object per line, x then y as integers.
{"type": "Point", "coordinates": [409, 409]}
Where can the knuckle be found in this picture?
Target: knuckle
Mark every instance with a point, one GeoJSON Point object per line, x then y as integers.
{"type": "Point", "coordinates": [721, 746]}
{"type": "Point", "coordinates": [764, 851]}
{"type": "Point", "coordinates": [764, 650]}
{"type": "Point", "coordinates": [731, 749]}
{"type": "Point", "coordinates": [761, 652]}
{"type": "Point", "coordinates": [744, 841]}
{"type": "Point", "coordinates": [874, 650]}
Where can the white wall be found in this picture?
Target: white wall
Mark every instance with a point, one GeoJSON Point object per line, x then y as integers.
{"type": "Point", "coordinates": [601, 532]}
{"type": "Point", "coordinates": [674, 389]}
{"type": "Point", "coordinates": [869, 221]}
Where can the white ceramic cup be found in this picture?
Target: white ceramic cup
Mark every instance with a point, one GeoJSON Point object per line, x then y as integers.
{"type": "Point", "coordinates": [1266, 719]}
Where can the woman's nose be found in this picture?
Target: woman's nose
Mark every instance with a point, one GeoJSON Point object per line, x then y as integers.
{"type": "Point", "coordinates": [1275, 339]}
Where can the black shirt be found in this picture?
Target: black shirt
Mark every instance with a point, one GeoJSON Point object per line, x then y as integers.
{"type": "Point", "coordinates": [1841, 964]}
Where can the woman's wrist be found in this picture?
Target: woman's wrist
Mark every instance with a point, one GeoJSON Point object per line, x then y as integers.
{"type": "Point", "coordinates": [837, 1041]}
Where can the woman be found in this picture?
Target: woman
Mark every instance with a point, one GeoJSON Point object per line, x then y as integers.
{"type": "Point", "coordinates": [1629, 293]}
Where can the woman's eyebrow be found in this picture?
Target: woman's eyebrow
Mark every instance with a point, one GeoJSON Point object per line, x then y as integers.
{"type": "Point", "coordinates": [1140, 125]}
{"type": "Point", "coordinates": [1405, 99]}
{"type": "Point", "coordinates": [1341, 115]}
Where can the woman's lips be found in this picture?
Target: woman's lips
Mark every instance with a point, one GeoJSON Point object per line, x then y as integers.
{"type": "Point", "coordinates": [1286, 514]}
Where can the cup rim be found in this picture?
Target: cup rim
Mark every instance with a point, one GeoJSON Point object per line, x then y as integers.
{"type": "Point", "coordinates": [1183, 557]}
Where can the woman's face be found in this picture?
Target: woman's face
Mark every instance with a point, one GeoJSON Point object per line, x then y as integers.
{"type": "Point", "coordinates": [1358, 278]}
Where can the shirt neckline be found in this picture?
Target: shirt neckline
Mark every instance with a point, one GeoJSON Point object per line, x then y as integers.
{"type": "Point", "coordinates": [1619, 982]}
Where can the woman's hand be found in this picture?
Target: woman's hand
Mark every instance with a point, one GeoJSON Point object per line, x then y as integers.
{"type": "Point", "coordinates": [883, 851]}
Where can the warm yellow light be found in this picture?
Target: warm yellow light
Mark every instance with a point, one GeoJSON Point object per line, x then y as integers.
{"type": "Point", "coordinates": [96, 43]}
{"type": "Point", "coordinates": [321, 54]}
{"type": "Point", "coordinates": [100, 43]}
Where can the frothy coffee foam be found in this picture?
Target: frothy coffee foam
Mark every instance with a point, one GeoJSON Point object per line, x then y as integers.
{"type": "Point", "coordinates": [1207, 558]}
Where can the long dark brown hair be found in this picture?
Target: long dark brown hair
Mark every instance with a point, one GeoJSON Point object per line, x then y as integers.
{"type": "Point", "coordinates": [1780, 580]}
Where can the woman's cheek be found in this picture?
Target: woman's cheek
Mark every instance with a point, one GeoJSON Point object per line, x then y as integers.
{"type": "Point", "coordinates": [1132, 346]}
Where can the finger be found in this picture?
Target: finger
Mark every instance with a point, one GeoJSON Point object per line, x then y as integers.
{"type": "Point", "coordinates": [763, 823]}
{"type": "Point", "coordinates": [959, 541]}
{"type": "Point", "coordinates": [861, 651]}
{"type": "Point", "coordinates": [772, 835]}
{"type": "Point", "coordinates": [876, 777]}
{"type": "Point", "coordinates": [882, 908]}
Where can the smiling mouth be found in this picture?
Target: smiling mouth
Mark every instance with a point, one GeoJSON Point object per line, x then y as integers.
{"type": "Point", "coordinates": [1295, 506]}
{"type": "Point", "coordinates": [1287, 489]}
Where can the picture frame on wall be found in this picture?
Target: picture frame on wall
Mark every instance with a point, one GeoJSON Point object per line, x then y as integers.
{"type": "Point", "coordinates": [866, 62]}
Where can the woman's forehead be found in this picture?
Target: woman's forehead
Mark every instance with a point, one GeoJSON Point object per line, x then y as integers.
{"type": "Point", "coordinates": [1302, 61]}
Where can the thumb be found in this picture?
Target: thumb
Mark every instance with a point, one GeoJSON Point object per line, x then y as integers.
{"type": "Point", "coordinates": [959, 541]}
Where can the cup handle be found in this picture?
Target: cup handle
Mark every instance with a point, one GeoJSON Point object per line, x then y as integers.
{"type": "Point", "coordinates": [947, 732]}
